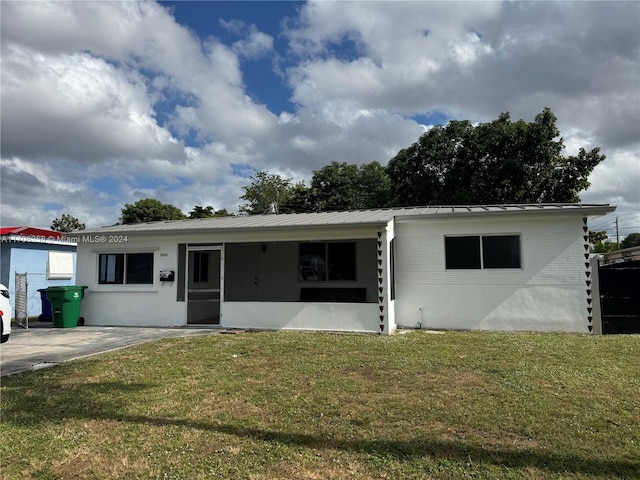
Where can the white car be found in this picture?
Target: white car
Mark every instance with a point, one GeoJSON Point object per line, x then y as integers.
{"type": "Point", "coordinates": [5, 313]}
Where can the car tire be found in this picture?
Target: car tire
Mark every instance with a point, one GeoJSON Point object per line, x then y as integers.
{"type": "Point", "coordinates": [3, 337]}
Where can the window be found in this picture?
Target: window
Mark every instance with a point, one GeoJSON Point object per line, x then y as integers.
{"type": "Point", "coordinates": [327, 261]}
{"type": "Point", "coordinates": [501, 251]}
{"type": "Point", "coordinates": [200, 267]}
{"type": "Point", "coordinates": [111, 268]}
{"type": "Point", "coordinates": [121, 268]}
{"type": "Point", "coordinates": [482, 251]}
{"type": "Point", "coordinates": [462, 252]}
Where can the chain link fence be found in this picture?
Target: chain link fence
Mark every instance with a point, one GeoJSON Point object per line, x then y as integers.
{"type": "Point", "coordinates": [28, 304]}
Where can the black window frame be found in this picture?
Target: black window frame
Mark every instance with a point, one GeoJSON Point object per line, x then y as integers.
{"type": "Point", "coordinates": [483, 252]}
{"type": "Point", "coordinates": [327, 271]}
{"type": "Point", "coordinates": [131, 268]}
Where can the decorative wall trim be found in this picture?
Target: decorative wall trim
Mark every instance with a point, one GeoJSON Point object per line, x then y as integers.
{"type": "Point", "coordinates": [587, 272]}
{"type": "Point", "coordinates": [381, 295]}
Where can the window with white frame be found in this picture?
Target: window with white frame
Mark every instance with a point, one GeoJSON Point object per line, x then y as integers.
{"type": "Point", "coordinates": [471, 252]}
{"type": "Point", "coordinates": [125, 268]}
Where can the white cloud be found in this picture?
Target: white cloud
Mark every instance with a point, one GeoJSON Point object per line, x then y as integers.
{"type": "Point", "coordinates": [77, 106]}
{"type": "Point", "coordinates": [474, 60]}
{"type": "Point", "coordinates": [122, 88]}
{"type": "Point", "coordinates": [255, 45]}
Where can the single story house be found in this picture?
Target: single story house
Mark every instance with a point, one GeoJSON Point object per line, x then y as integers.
{"type": "Point", "coordinates": [46, 256]}
{"type": "Point", "coordinates": [501, 267]}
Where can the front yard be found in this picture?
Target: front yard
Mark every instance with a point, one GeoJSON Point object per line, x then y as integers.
{"type": "Point", "coordinates": [321, 406]}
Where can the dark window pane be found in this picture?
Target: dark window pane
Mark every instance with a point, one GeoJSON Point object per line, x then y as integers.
{"type": "Point", "coordinates": [342, 261]}
{"type": "Point", "coordinates": [462, 252]}
{"type": "Point", "coordinates": [313, 262]}
{"type": "Point", "coordinates": [140, 268]}
{"type": "Point", "coordinates": [204, 267]}
{"type": "Point", "coordinates": [111, 268]}
{"type": "Point", "coordinates": [502, 251]}
{"type": "Point", "coordinates": [200, 267]}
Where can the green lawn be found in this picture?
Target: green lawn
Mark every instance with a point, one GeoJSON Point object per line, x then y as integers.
{"type": "Point", "coordinates": [323, 406]}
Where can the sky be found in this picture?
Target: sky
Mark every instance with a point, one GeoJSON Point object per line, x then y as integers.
{"type": "Point", "coordinates": [106, 103]}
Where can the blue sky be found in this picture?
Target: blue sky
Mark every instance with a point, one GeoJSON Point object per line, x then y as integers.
{"type": "Point", "coordinates": [217, 19]}
{"type": "Point", "coordinates": [105, 103]}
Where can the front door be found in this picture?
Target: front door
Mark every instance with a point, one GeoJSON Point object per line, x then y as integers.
{"type": "Point", "coordinates": [203, 285]}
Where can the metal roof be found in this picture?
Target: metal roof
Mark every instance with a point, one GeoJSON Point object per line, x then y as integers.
{"type": "Point", "coordinates": [347, 218]}
{"type": "Point", "coordinates": [31, 232]}
{"type": "Point", "coordinates": [35, 235]}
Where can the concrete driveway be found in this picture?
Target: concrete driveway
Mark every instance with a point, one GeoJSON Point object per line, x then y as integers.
{"type": "Point", "coordinates": [44, 346]}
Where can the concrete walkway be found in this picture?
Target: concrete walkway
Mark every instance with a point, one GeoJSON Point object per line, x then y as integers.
{"type": "Point", "coordinates": [43, 346]}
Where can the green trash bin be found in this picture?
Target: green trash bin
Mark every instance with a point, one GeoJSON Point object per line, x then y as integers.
{"type": "Point", "coordinates": [65, 305]}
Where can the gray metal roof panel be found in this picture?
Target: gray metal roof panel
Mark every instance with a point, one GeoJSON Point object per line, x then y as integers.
{"type": "Point", "coordinates": [343, 218]}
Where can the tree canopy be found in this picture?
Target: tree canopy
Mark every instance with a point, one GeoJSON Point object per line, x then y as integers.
{"type": "Point", "coordinates": [67, 223]}
{"type": "Point", "coordinates": [207, 212]}
{"type": "Point", "coordinates": [631, 240]}
{"type": "Point", "coordinates": [337, 186]}
{"type": "Point", "coordinates": [271, 193]}
{"type": "Point", "coordinates": [499, 162]}
{"type": "Point", "coordinates": [149, 210]}
{"type": "Point", "coordinates": [342, 186]}
{"type": "Point", "coordinates": [600, 242]}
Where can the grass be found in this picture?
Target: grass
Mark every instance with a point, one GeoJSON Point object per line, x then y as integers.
{"type": "Point", "coordinates": [321, 406]}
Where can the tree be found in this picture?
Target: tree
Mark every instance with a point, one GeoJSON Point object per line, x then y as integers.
{"type": "Point", "coordinates": [600, 242]}
{"type": "Point", "coordinates": [605, 247]}
{"type": "Point", "coordinates": [271, 193]}
{"type": "Point", "coordinates": [341, 186]}
{"type": "Point", "coordinates": [67, 223]}
{"type": "Point", "coordinates": [207, 212]}
{"type": "Point", "coordinates": [149, 210]}
{"type": "Point", "coordinates": [492, 163]}
{"type": "Point", "coordinates": [200, 212]}
{"type": "Point", "coordinates": [631, 240]}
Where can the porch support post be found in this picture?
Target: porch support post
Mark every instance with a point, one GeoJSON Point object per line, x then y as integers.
{"type": "Point", "coordinates": [386, 314]}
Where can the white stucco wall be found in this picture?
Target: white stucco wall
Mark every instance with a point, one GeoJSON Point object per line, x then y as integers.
{"type": "Point", "coordinates": [126, 305]}
{"type": "Point", "coordinates": [157, 305]}
{"type": "Point", "coordinates": [547, 294]}
{"type": "Point", "coordinates": [348, 317]}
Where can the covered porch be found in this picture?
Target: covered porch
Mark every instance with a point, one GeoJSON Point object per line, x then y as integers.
{"type": "Point", "coordinates": [336, 284]}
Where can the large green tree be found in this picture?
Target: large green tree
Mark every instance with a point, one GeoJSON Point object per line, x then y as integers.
{"type": "Point", "coordinates": [342, 186]}
{"type": "Point", "coordinates": [492, 163]}
{"type": "Point", "coordinates": [149, 210]}
{"type": "Point", "coordinates": [67, 223]}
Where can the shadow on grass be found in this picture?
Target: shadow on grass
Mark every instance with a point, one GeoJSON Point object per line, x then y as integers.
{"type": "Point", "coordinates": [420, 447]}
{"type": "Point", "coordinates": [103, 401]}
